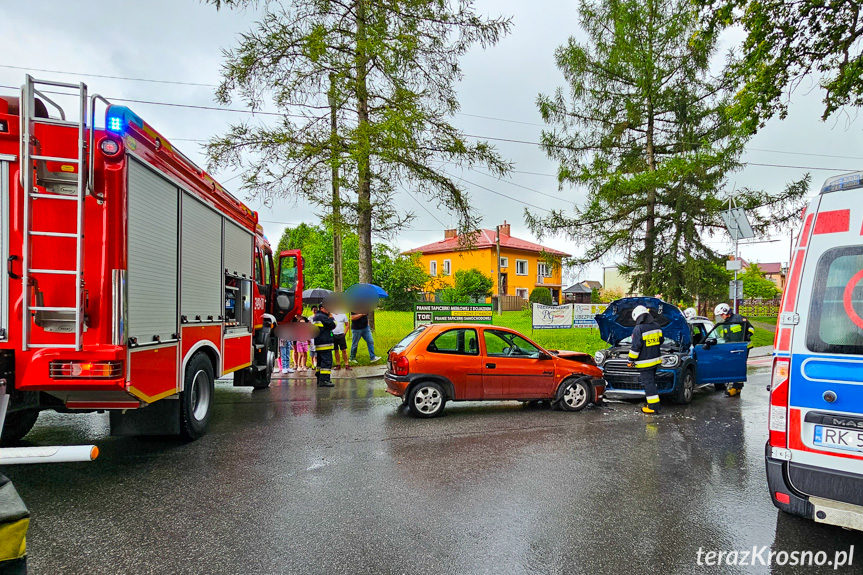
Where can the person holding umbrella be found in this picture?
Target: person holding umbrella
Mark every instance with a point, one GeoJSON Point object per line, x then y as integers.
{"type": "Point", "coordinates": [364, 298]}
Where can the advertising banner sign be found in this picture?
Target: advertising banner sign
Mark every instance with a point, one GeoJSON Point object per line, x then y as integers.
{"type": "Point", "coordinates": [452, 313]}
{"type": "Point", "coordinates": [583, 314]}
{"type": "Point", "coordinates": [551, 316]}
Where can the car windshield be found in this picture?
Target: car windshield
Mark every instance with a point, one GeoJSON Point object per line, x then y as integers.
{"type": "Point", "coordinates": [406, 341]}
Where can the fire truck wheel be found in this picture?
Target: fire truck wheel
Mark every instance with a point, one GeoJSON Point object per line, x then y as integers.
{"type": "Point", "coordinates": [264, 377]}
{"type": "Point", "coordinates": [17, 425]}
{"type": "Point", "coordinates": [196, 400]}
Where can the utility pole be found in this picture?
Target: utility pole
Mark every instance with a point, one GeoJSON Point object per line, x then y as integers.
{"type": "Point", "coordinates": [499, 277]}
{"type": "Point", "coordinates": [736, 254]}
{"type": "Point", "coordinates": [338, 282]}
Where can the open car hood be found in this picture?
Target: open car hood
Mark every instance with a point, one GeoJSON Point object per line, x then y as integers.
{"type": "Point", "coordinates": [616, 322]}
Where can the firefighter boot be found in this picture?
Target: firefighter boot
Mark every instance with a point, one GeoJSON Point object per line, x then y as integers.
{"type": "Point", "coordinates": [653, 406]}
{"type": "Point", "coordinates": [732, 392]}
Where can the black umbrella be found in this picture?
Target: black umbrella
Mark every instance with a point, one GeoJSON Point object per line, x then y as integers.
{"type": "Point", "coordinates": [315, 295]}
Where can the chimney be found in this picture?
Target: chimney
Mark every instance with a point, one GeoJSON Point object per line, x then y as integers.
{"type": "Point", "coordinates": [504, 229]}
{"type": "Point", "coordinates": [448, 234]}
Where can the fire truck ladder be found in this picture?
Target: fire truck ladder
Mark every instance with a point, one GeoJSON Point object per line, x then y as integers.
{"type": "Point", "coordinates": [70, 187]}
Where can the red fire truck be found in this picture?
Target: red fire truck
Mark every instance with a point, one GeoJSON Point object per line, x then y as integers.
{"type": "Point", "coordinates": [133, 279]}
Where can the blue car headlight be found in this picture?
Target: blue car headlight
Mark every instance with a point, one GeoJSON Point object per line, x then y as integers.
{"type": "Point", "coordinates": [670, 360]}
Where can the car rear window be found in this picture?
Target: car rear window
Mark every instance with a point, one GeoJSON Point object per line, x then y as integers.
{"type": "Point", "coordinates": [408, 339]}
{"type": "Point", "coordinates": [460, 341]}
{"type": "Point", "coordinates": [836, 311]}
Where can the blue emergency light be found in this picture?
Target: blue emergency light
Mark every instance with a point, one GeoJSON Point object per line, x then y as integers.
{"type": "Point", "coordinates": [115, 124]}
{"type": "Point", "coordinates": [118, 118]}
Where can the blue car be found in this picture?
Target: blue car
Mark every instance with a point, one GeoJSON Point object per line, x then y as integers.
{"type": "Point", "coordinates": [695, 353]}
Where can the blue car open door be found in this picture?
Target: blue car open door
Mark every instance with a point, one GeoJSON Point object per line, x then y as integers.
{"type": "Point", "coordinates": [721, 358]}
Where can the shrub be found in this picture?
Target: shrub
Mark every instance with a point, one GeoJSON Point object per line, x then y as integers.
{"type": "Point", "coordinates": [540, 295]}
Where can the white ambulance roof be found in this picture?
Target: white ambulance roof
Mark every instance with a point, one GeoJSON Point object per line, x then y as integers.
{"type": "Point", "coordinates": [844, 182]}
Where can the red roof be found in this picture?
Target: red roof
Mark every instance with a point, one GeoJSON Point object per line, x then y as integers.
{"type": "Point", "coordinates": [771, 268]}
{"type": "Point", "coordinates": [485, 239]}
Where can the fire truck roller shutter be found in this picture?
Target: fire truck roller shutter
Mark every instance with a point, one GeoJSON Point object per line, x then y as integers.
{"type": "Point", "coordinates": [153, 221]}
{"type": "Point", "coordinates": [200, 295]}
{"type": "Point", "coordinates": [238, 250]}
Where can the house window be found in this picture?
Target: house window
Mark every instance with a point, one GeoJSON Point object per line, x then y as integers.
{"type": "Point", "coordinates": [521, 267]}
{"type": "Point", "coordinates": [504, 262]}
{"type": "Point", "coordinates": [447, 268]}
{"type": "Point", "coordinates": [542, 270]}
{"type": "Point", "coordinates": [433, 268]}
{"type": "Point", "coordinates": [521, 292]}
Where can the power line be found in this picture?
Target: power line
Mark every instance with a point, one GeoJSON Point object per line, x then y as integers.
{"type": "Point", "coordinates": [517, 185]}
{"type": "Point", "coordinates": [508, 120]}
{"type": "Point", "coordinates": [805, 154]}
{"type": "Point", "coordinates": [423, 207]}
{"type": "Point", "coordinates": [26, 68]}
{"type": "Point", "coordinates": [497, 193]}
{"type": "Point", "coordinates": [526, 142]}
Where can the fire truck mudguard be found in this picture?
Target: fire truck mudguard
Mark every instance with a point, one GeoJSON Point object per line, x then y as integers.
{"type": "Point", "coordinates": [133, 279]}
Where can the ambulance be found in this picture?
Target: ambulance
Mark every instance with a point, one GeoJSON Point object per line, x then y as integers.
{"type": "Point", "coordinates": [814, 454]}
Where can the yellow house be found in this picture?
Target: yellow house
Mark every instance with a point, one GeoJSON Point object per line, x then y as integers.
{"type": "Point", "coordinates": [524, 265]}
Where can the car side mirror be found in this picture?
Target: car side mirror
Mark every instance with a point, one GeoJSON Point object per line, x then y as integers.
{"type": "Point", "coordinates": [545, 356]}
{"type": "Point", "coordinates": [709, 342]}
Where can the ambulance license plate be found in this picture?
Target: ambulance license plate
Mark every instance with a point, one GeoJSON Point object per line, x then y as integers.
{"type": "Point", "coordinates": [838, 438]}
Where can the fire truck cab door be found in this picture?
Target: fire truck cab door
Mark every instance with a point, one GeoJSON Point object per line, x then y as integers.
{"type": "Point", "coordinates": [9, 265]}
{"type": "Point", "coordinates": [289, 292]}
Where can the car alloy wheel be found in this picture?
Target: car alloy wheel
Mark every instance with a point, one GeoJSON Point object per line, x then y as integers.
{"type": "Point", "coordinates": [683, 395]}
{"type": "Point", "coordinates": [575, 395]}
{"type": "Point", "coordinates": [426, 399]}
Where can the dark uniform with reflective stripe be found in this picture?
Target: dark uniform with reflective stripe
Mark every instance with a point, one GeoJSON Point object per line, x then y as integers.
{"type": "Point", "coordinates": [646, 356]}
{"type": "Point", "coordinates": [14, 520]}
{"type": "Point", "coordinates": [324, 347]}
{"type": "Point", "coordinates": [748, 332]}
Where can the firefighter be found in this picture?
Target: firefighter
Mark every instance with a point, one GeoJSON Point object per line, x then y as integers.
{"type": "Point", "coordinates": [739, 325]}
{"type": "Point", "coordinates": [645, 355]}
{"type": "Point", "coordinates": [14, 520]}
{"type": "Point", "coordinates": [323, 319]}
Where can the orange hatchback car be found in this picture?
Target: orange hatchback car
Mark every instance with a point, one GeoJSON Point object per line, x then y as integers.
{"type": "Point", "coordinates": [477, 362]}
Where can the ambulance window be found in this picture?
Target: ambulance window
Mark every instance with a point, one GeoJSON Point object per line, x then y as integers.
{"type": "Point", "coordinates": [836, 311]}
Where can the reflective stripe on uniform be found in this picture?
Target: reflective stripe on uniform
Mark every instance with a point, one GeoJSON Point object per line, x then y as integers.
{"type": "Point", "coordinates": [13, 539]}
{"type": "Point", "coordinates": [652, 337]}
{"type": "Point", "coordinates": [648, 362]}
{"type": "Point", "coordinates": [324, 346]}
{"type": "Point", "coordinates": [318, 323]}
{"type": "Point", "coordinates": [633, 354]}
{"type": "Point", "coordinates": [653, 399]}
{"type": "Point", "coordinates": [326, 371]}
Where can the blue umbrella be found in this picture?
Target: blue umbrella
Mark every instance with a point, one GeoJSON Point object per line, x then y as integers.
{"type": "Point", "coordinates": [366, 291]}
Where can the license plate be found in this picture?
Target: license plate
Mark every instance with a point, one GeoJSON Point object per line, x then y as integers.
{"type": "Point", "coordinates": [838, 438]}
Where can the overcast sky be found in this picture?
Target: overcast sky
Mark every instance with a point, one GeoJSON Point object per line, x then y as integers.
{"type": "Point", "coordinates": [181, 40]}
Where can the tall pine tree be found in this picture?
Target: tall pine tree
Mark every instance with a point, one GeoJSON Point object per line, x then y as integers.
{"type": "Point", "coordinates": [646, 133]}
{"type": "Point", "coordinates": [389, 67]}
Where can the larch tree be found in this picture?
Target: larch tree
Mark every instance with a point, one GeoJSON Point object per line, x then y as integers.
{"type": "Point", "coordinates": [645, 131]}
{"type": "Point", "coordinates": [385, 70]}
{"type": "Point", "coordinates": [787, 42]}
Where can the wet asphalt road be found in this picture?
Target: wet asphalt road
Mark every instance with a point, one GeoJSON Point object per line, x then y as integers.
{"type": "Point", "coordinates": [299, 480]}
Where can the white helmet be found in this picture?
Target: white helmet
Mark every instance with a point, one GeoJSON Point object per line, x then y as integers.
{"type": "Point", "coordinates": [690, 313]}
{"type": "Point", "coordinates": [639, 311]}
{"type": "Point", "coordinates": [722, 309]}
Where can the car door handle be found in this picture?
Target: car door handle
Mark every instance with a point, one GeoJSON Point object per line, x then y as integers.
{"type": "Point", "coordinates": [490, 366]}
{"type": "Point", "coordinates": [738, 351]}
